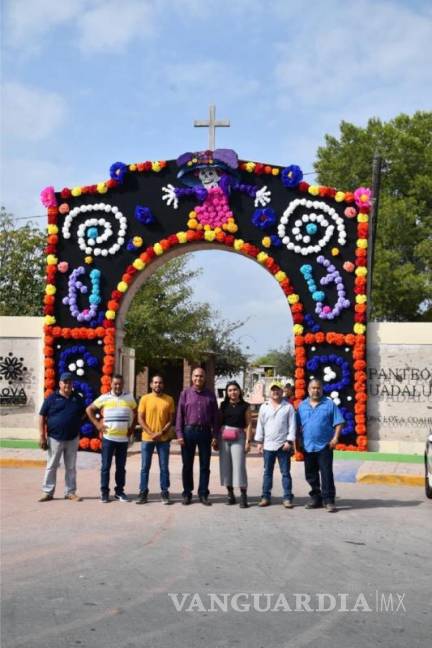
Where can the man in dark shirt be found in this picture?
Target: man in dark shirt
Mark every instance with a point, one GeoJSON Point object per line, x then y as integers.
{"type": "Point", "coordinates": [59, 424]}
{"type": "Point", "coordinates": [197, 424]}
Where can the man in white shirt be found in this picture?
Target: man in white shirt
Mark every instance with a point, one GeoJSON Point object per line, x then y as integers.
{"type": "Point", "coordinates": [275, 435]}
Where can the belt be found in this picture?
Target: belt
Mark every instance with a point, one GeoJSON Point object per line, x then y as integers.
{"type": "Point", "coordinates": [197, 427]}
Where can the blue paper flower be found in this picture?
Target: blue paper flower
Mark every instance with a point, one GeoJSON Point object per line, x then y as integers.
{"type": "Point", "coordinates": [144, 215]}
{"type": "Point", "coordinates": [264, 218]}
{"type": "Point", "coordinates": [291, 176]}
{"type": "Point", "coordinates": [276, 241]}
{"type": "Point", "coordinates": [118, 171]}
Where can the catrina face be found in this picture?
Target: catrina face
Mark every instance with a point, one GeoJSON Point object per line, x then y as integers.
{"type": "Point", "coordinates": [209, 177]}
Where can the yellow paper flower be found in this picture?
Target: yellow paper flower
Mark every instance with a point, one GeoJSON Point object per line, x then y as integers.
{"type": "Point", "coordinates": [50, 289]}
{"type": "Point", "coordinates": [363, 218]}
{"type": "Point", "coordinates": [138, 264]}
{"type": "Point", "coordinates": [102, 187]}
{"type": "Point", "coordinates": [262, 257]}
{"type": "Point", "coordinates": [360, 299]}
{"type": "Point", "coordinates": [298, 329]}
{"type": "Point", "coordinates": [361, 271]}
{"type": "Point", "coordinates": [266, 242]}
{"type": "Point", "coordinates": [280, 276]}
{"type": "Point", "coordinates": [207, 228]}
{"type": "Point", "coordinates": [122, 286]}
{"type": "Point", "coordinates": [182, 237]}
{"type": "Point", "coordinates": [232, 228]}
{"type": "Point", "coordinates": [238, 244]}
{"type": "Point", "coordinates": [293, 298]}
{"type": "Point", "coordinates": [88, 259]}
{"type": "Point", "coordinates": [52, 229]}
{"type": "Point", "coordinates": [49, 320]}
{"type": "Point", "coordinates": [157, 247]}
{"type": "Point", "coordinates": [156, 166]}
{"type": "Point", "coordinates": [340, 196]}
{"type": "Point", "coordinates": [51, 259]}
{"type": "Point", "coordinates": [314, 190]}
{"type": "Point", "coordinates": [110, 314]}
{"type": "Point", "coordinates": [192, 223]}
{"type": "Point", "coordinates": [76, 191]}
{"type": "Point", "coordinates": [209, 235]}
{"type": "Point", "coordinates": [359, 329]}
{"type": "Point", "coordinates": [132, 167]}
{"type": "Point", "coordinates": [137, 241]}
{"type": "Point", "coordinates": [250, 166]}
{"type": "Point", "coordinates": [362, 243]}
{"type": "Point", "coordinates": [275, 171]}
{"type": "Point", "coordinates": [335, 251]}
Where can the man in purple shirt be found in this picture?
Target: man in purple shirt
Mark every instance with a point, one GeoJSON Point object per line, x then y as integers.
{"type": "Point", "coordinates": [197, 424]}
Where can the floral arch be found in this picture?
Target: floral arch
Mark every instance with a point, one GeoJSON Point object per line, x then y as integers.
{"type": "Point", "coordinates": [312, 239]}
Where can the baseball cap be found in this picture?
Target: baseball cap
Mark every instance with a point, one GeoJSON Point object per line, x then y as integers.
{"type": "Point", "coordinates": [66, 375]}
{"type": "Point", "coordinates": [276, 385]}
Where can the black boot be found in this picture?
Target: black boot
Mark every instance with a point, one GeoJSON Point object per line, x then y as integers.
{"type": "Point", "coordinates": [230, 495]}
{"type": "Point", "coordinates": [243, 499]}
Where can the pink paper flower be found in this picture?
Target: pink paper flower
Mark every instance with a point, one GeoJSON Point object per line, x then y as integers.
{"type": "Point", "coordinates": [362, 197]}
{"type": "Point", "coordinates": [350, 212]}
{"type": "Point", "coordinates": [64, 208]}
{"type": "Point", "coordinates": [63, 266]}
{"type": "Point", "coordinates": [48, 198]}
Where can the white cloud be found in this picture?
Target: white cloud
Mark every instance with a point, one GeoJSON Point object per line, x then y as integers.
{"type": "Point", "coordinates": [31, 113]}
{"type": "Point", "coordinates": [113, 24]}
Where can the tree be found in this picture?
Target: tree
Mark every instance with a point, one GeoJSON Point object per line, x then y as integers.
{"type": "Point", "coordinates": [164, 321]}
{"type": "Point", "coordinates": [282, 360]}
{"type": "Point", "coordinates": [402, 277]}
{"type": "Point", "coordinates": [21, 267]}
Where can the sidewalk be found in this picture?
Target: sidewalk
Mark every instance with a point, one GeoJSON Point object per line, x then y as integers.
{"type": "Point", "coordinates": [362, 467]}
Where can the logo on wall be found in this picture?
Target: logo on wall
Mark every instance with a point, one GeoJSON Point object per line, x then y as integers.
{"type": "Point", "coordinates": [13, 371]}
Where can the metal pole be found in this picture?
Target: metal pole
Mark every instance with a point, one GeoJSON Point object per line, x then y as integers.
{"type": "Point", "coordinates": [373, 219]}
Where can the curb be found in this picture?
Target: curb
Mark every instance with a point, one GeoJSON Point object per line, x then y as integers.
{"type": "Point", "coordinates": [21, 463]}
{"type": "Point", "coordinates": [391, 479]}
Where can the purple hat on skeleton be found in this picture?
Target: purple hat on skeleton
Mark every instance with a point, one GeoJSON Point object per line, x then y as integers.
{"type": "Point", "coordinates": [224, 159]}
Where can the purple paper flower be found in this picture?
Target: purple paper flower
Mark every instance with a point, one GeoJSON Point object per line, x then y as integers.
{"type": "Point", "coordinates": [144, 215]}
{"type": "Point", "coordinates": [291, 176]}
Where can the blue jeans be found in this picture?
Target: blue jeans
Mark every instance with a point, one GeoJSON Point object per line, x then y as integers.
{"type": "Point", "coordinates": [320, 464]}
{"type": "Point", "coordinates": [109, 450]}
{"type": "Point", "coordinates": [284, 459]}
{"type": "Point", "coordinates": [147, 450]}
{"type": "Point", "coordinates": [196, 436]}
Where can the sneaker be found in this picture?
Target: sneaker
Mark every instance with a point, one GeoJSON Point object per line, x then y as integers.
{"type": "Point", "coordinates": [288, 504]}
{"type": "Point", "coordinates": [187, 499]}
{"type": "Point", "coordinates": [314, 504]}
{"type": "Point", "coordinates": [330, 507]}
{"type": "Point", "coordinates": [264, 502]}
{"type": "Point", "coordinates": [104, 498]}
{"type": "Point", "coordinates": [142, 498]}
{"type": "Point", "coordinates": [46, 497]}
{"type": "Point", "coordinates": [165, 498]}
{"type": "Point", "coordinates": [73, 497]}
{"type": "Point", "coordinates": [121, 497]}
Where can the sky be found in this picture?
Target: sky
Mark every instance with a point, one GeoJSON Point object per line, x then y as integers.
{"type": "Point", "coordinates": [88, 82]}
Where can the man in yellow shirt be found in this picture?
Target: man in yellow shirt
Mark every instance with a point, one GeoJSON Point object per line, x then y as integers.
{"type": "Point", "coordinates": [155, 415]}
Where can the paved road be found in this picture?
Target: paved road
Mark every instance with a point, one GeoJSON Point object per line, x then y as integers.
{"type": "Point", "coordinates": [93, 575]}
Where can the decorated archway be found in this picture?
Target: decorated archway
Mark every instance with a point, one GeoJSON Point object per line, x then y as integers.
{"type": "Point", "coordinates": [312, 239]}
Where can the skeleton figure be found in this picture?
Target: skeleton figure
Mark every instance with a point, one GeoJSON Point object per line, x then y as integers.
{"type": "Point", "coordinates": [210, 177]}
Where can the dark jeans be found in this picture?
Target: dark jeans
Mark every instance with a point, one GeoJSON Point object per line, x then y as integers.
{"type": "Point", "coordinates": [284, 459]}
{"type": "Point", "coordinates": [320, 464]}
{"type": "Point", "coordinates": [196, 436]}
{"type": "Point", "coordinates": [109, 450]}
{"type": "Point", "coordinates": [147, 450]}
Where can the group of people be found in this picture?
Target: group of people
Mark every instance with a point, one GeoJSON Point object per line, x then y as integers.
{"type": "Point", "coordinates": [198, 423]}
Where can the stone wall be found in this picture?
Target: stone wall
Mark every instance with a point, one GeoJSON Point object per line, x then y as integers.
{"type": "Point", "coordinates": [399, 386]}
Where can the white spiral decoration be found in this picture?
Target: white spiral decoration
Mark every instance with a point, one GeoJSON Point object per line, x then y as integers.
{"type": "Point", "coordinates": [100, 228]}
{"type": "Point", "coordinates": [302, 242]}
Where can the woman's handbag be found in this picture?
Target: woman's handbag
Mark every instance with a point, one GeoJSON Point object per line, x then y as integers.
{"type": "Point", "coordinates": [230, 433]}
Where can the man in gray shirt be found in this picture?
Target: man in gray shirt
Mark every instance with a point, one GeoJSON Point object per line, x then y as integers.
{"type": "Point", "coordinates": [275, 435]}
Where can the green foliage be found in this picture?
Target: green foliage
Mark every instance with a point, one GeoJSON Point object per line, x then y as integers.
{"type": "Point", "coordinates": [21, 267]}
{"type": "Point", "coordinates": [402, 278]}
{"type": "Point", "coordinates": [282, 360]}
{"type": "Point", "coordinates": [164, 321]}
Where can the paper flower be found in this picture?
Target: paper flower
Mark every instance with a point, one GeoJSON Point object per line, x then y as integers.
{"type": "Point", "coordinates": [362, 197]}
{"type": "Point", "coordinates": [264, 218]}
{"type": "Point", "coordinates": [144, 215]}
{"type": "Point", "coordinates": [118, 171]}
{"type": "Point", "coordinates": [291, 176]}
{"type": "Point", "coordinates": [48, 198]}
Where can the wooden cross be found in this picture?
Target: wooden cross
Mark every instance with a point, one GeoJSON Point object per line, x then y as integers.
{"type": "Point", "coordinates": [211, 124]}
